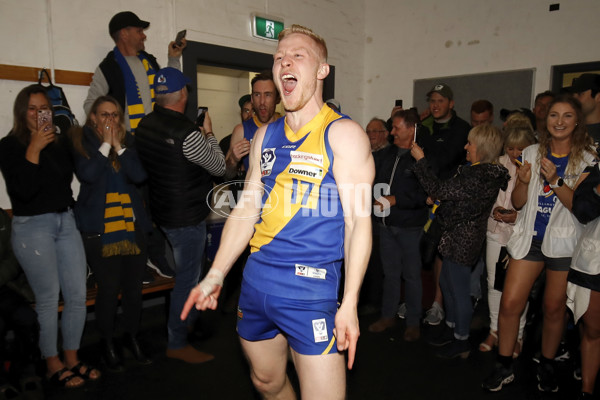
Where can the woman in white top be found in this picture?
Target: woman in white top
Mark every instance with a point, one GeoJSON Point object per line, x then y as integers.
{"type": "Point", "coordinates": [544, 236]}
{"type": "Point", "coordinates": [500, 227]}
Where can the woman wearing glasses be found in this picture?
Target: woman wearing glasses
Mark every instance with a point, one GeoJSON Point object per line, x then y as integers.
{"type": "Point", "coordinates": [38, 169]}
{"type": "Point", "coordinates": [112, 221]}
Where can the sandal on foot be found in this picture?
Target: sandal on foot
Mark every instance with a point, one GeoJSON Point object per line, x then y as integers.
{"type": "Point", "coordinates": [489, 343]}
{"type": "Point", "coordinates": [8, 392]}
{"type": "Point", "coordinates": [55, 379]}
{"type": "Point", "coordinates": [31, 388]}
{"type": "Point", "coordinates": [87, 373]}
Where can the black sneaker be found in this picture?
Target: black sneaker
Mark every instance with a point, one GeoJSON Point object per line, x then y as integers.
{"type": "Point", "coordinates": [584, 396]}
{"type": "Point", "coordinates": [147, 276]}
{"type": "Point", "coordinates": [161, 268]}
{"type": "Point", "coordinates": [444, 336]}
{"type": "Point", "coordinates": [456, 348]}
{"type": "Point", "coordinates": [546, 378]}
{"type": "Point", "coordinates": [562, 353]}
{"type": "Point", "coordinates": [577, 374]}
{"type": "Point", "coordinates": [499, 377]}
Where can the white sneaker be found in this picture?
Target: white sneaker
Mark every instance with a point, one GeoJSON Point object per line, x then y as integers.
{"type": "Point", "coordinates": [434, 315]}
{"type": "Point", "coordinates": [402, 311]}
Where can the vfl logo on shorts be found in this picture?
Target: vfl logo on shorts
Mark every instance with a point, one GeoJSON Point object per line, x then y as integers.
{"type": "Point", "coordinates": [311, 272]}
{"type": "Point", "coordinates": [320, 330]}
{"type": "Point", "coordinates": [267, 159]}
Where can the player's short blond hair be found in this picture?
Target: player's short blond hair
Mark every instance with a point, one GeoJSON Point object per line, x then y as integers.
{"type": "Point", "coordinates": [322, 46]}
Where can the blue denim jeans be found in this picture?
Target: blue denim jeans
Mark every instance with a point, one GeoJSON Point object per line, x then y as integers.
{"type": "Point", "coordinates": [188, 250]}
{"type": "Point", "coordinates": [455, 282]}
{"type": "Point", "coordinates": [476, 278]}
{"type": "Point", "coordinates": [401, 258]}
{"type": "Point", "coordinates": [49, 248]}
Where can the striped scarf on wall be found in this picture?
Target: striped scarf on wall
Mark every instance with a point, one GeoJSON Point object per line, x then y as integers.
{"type": "Point", "coordinates": [135, 106]}
{"type": "Point", "coordinates": [119, 231]}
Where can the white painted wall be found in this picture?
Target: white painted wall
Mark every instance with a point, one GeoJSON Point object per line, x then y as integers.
{"type": "Point", "coordinates": [413, 39]}
{"type": "Point", "coordinates": [378, 46]}
{"type": "Point", "coordinates": [79, 37]}
{"type": "Point", "coordinates": [219, 89]}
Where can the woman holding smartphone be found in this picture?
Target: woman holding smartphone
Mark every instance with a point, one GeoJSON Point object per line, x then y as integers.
{"type": "Point", "coordinates": [37, 167]}
{"type": "Point", "coordinates": [544, 236]}
{"type": "Point", "coordinates": [111, 217]}
{"type": "Point", "coordinates": [500, 227]}
{"type": "Point", "coordinates": [466, 202]}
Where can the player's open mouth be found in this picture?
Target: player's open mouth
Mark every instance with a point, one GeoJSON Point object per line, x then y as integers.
{"type": "Point", "coordinates": [289, 82]}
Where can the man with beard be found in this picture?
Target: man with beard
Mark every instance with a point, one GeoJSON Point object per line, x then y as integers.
{"type": "Point", "coordinates": [314, 171]}
{"type": "Point", "coordinates": [264, 98]}
{"type": "Point", "coordinates": [127, 72]}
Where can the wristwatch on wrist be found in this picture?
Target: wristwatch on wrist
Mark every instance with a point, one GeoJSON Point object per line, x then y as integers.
{"type": "Point", "coordinates": [558, 183]}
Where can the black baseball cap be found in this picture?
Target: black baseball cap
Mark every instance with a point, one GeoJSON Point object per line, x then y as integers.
{"type": "Point", "coordinates": [585, 82]}
{"type": "Point", "coordinates": [123, 20]}
{"type": "Point", "coordinates": [244, 99]}
{"type": "Point", "coordinates": [443, 90]}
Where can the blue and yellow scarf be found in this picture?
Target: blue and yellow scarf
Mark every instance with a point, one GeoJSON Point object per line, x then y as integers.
{"type": "Point", "coordinates": [135, 106]}
{"type": "Point", "coordinates": [119, 231]}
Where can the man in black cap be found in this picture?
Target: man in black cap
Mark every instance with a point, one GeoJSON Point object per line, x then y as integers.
{"type": "Point", "coordinates": [586, 89]}
{"type": "Point", "coordinates": [443, 142]}
{"type": "Point", "coordinates": [447, 132]}
{"type": "Point", "coordinates": [127, 72]}
{"type": "Point", "coordinates": [180, 159]}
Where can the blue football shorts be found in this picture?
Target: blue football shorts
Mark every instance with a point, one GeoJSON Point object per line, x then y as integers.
{"type": "Point", "coordinates": [306, 324]}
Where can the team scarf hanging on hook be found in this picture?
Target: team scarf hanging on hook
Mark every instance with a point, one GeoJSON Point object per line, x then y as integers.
{"type": "Point", "coordinates": [119, 231]}
{"type": "Point", "coordinates": [135, 106]}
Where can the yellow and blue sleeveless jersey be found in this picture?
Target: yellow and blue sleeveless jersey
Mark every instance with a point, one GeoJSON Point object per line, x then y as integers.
{"type": "Point", "coordinates": [298, 244]}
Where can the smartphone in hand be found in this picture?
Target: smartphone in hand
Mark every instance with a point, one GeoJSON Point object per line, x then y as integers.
{"type": "Point", "coordinates": [398, 103]}
{"type": "Point", "coordinates": [43, 117]}
{"type": "Point", "coordinates": [200, 116]}
{"type": "Point", "coordinates": [519, 161]}
{"type": "Point", "coordinates": [180, 36]}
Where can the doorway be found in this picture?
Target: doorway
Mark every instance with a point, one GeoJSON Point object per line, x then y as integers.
{"type": "Point", "coordinates": [227, 70]}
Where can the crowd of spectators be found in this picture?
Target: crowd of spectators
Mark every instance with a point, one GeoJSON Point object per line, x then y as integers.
{"type": "Point", "coordinates": [541, 157]}
{"type": "Point", "coordinates": [520, 201]}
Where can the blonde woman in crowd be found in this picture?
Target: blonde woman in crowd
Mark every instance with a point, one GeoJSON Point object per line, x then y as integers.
{"type": "Point", "coordinates": [500, 227]}
{"type": "Point", "coordinates": [544, 236]}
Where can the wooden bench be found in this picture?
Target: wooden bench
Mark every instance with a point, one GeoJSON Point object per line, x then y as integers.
{"type": "Point", "coordinates": [160, 284]}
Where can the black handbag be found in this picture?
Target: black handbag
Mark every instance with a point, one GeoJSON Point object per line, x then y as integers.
{"type": "Point", "coordinates": [501, 267]}
{"type": "Point", "coordinates": [429, 243]}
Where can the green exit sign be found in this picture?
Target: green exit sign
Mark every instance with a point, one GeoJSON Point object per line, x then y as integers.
{"type": "Point", "coordinates": [266, 27]}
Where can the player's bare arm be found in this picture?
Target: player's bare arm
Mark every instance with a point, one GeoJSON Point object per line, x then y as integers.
{"type": "Point", "coordinates": [237, 232]}
{"type": "Point", "coordinates": [354, 171]}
